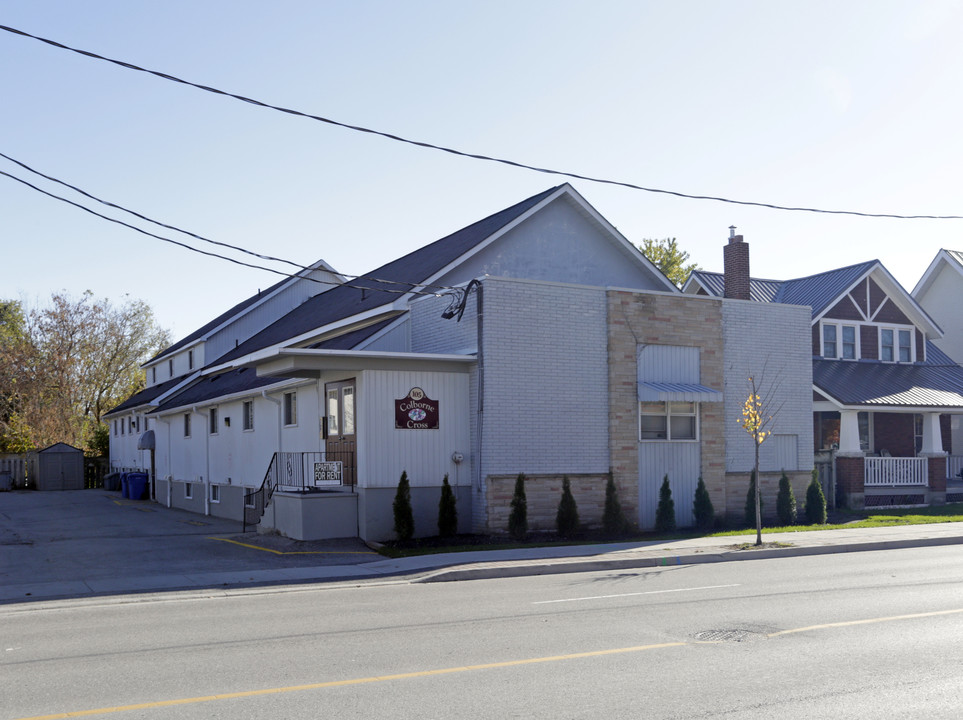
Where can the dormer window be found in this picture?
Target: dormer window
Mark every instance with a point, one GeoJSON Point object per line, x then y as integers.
{"type": "Point", "coordinates": [895, 345]}
{"type": "Point", "coordinates": [839, 341]}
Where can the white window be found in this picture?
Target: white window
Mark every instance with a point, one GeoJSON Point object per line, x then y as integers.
{"type": "Point", "coordinates": [188, 491]}
{"type": "Point", "coordinates": [668, 421]}
{"type": "Point", "coordinates": [248, 420]}
{"type": "Point", "coordinates": [170, 367]}
{"type": "Point", "coordinates": [896, 344]}
{"type": "Point", "coordinates": [187, 424]}
{"type": "Point", "coordinates": [115, 428]}
{"type": "Point", "coordinates": [839, 341]}
{"type": "Point", "coordinates": [190, 359]}
{"type": "Point", "coordinates": [290, 408]}
{"type": "Point", "coordinates": [153, 372]}
{"type": "Point", "coordinates": [213, 421]}
{"type": "Point", "coordinates": [215, 493]}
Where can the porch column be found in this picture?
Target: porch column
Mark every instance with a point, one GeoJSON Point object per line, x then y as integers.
{"type": "Point", "coordinates": [849, 432]}
{"type": "Point", "coordinates": [932, 437]}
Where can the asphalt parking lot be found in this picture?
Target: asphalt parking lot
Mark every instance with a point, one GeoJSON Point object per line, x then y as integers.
{"type": "Point", "coordinates": [94, 541]}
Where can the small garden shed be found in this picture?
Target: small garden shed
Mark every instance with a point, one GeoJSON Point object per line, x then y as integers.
{"type": "Point", "coordinates": [60, 467]}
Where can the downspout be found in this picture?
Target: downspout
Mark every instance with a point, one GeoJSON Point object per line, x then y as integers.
{"type": "Point", "coordinates": [278, 403]}
{"type": "Point", "coordinates": [170, 463]}
{"type": "Point", "coordinates": [207, 460]}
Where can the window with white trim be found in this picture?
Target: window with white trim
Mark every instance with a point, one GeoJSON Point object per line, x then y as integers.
{"type": "Point", "coordinates": [248, 415]}
{"type": "Point", "coordinates": [187, 424]}
{"type": "Point", "coordinates": [188, 491]}
{"type": "Point", "coordinates": [153, 372]}
{"type": "Point", "coordinates": [895, 344]}
{"type": "Point", "coordinates": [170, 367]}
{"type": "Point", "coordinates": [190, 359]}
{"type": "Point", "coordinates": [673, 421]}
{"type": "Point", "coordinates": [212, 421]}
{"type": "Point", "coordinates": [291, 408]}
{"type": "Point", "coordinates": [215, 493]}
{"type": "Point", "coordinates": [839, 341]}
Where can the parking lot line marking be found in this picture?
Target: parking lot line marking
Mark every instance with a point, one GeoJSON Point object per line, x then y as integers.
{"type": "Point", "coordinates": [297, 552]}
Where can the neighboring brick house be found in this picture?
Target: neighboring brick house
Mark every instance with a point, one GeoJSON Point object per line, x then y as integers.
{"type": "Point", "coordinates": [882, 390]}
{"type": "Point", "coordinates": [537, 340]}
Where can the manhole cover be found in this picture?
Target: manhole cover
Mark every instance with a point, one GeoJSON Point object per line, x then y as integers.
{"type": "Point", "coordinates": [726, 635]}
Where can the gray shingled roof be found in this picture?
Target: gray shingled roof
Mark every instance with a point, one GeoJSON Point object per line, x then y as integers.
{"type": "Point", "coordinates": [936, 383]}
{"type": "Point", "coordinates": [367, 292]}
{"type": "Point", "coordinates": [147, 395]}
{"type": "Point", "coordinates": [229, 383]}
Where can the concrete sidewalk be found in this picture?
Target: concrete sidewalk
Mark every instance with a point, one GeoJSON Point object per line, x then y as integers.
{"type": "Point", "coordinates": [101, 545]}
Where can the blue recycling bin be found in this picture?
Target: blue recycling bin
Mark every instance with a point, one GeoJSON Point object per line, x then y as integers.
{"type": "Point", "coordinates": [136, 485]}
{"type": "Point", "coordinates": [124, 485]}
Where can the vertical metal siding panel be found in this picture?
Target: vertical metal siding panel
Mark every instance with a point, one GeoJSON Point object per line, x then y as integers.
{"type": "Point", "coordinates": [424, 454]}
{"type": "Point", "coordinates": [682, 463]}
{"type": "Point", "coordinates": [669, 363]}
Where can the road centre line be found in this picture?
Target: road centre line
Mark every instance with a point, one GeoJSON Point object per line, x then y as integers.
{"type": "Point", "coordinates": [355, 681]}
{"type": "Point", "coordinates": [296, 552]}
{"type": "Point", "coordinates": [452, 670]}
{"type": "Point", "coordinates": [850, 623]}
{"type": "Point", "coordinates": [633, 594]}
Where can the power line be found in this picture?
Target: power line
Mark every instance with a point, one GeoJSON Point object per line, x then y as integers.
{"type": "Point", "coordinates": [460, 153]}
{"type": "Point", "coordinates": [195, 235]}
{"type": "Point", "coordinates": [225, 257]}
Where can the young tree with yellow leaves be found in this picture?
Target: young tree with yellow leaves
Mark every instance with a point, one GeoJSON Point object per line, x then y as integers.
{"type": "Point", "coordinates": [756, 422]}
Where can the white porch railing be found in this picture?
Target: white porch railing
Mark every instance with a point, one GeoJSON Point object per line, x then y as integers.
{"type": "Point", "coordinates": [954, 463]}
{"type": "Point", "coordinates": [895, 471]}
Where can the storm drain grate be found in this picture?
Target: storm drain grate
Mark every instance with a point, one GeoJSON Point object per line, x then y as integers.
{"type": "Point", "coordinates": [726, 635]}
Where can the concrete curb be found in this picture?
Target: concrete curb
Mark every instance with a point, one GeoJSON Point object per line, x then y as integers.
{"type": "Point", "coordinates": [559, 566]}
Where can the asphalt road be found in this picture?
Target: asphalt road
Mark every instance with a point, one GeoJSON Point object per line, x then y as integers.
{"type": "Point", "coordinates": [843, 636]}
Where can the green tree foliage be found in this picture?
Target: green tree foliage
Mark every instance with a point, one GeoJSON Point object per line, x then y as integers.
{"type": "Point", "coordinates": [815, 501]}
{"type": "Point", "coordinates": [786, 502]}
{"type": "Point", "coordinates": [665, 513]}
{"type": "Point", "coordinates": [705, 514]}
{"type": "Point", "coordinates": [751, 498]}
{"type": "Point", "coordinates": [447, 512]}
{"type": "Point", "coordinates": [666, 255]}
{"type": "Point", "coordinates": [63, 366]}
{"type": "Point", "coordinates": [404, 518]}
{"type": "Point", "coordinates": [566, 518]}
{"type": "Point", "coordinates": [518, 517]}
{"type": "Point", "coordinates": [614, 523]}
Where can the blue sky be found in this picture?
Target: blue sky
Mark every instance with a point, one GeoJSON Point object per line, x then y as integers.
{"type": "Point", "coordinates": [852, 105]}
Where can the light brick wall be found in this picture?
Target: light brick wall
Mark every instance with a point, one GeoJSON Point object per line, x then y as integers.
{"type": "Point", "coordinates": [772, 343]}
{"type": "Point", "coordinates": [431, 333]}
{"type": "Point", "coordinates": [544, 388]}
{"type": "Point", "coordinates": [662, 319]}
{"type": "Point", "coordinates": [542, 495]}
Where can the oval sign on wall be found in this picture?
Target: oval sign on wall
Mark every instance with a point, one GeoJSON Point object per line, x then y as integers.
{"type": "Point", "coordinates": [416, 411]}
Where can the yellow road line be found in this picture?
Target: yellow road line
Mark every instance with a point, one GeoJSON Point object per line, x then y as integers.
{"type": "Point", "coordinates": [297, 552]}
{"type": "Point", "coordinates": [868, 621]}
{"type": "Point", "coordinates": [355, 681]}
{"type": "Point", "coordinates": [449, 671]}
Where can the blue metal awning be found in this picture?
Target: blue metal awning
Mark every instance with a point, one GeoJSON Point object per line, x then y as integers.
{"type": "Point", "coordinates": [677, 392]}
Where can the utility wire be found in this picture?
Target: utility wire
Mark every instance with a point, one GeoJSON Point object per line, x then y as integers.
{"type": "Point", "coordinates": [201, 237]}
{"type": "Point", "coordinates": [224, 257]}
{"type": "Point", "coordinates": [460, 153]}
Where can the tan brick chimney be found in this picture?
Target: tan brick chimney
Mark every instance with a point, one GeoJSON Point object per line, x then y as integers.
{"type": "Point", "coordinates": [735, 261]}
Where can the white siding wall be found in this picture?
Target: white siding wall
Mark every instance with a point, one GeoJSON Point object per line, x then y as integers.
{"type": "Point", "coordinates": [394, 339]}
{"type": "Point", "coordinates": [682, 461]}
{"type": "Point", "coordinates": [264, 314]}
{"type": "Point", "coordinates": [558, 244]}
{"type": "Point", "coordinates": [545, 378]}
{"type": "Point", "coordinates": [772, 343]}
{"type": "Point", "coordinates": [942, 301]}
{"type": "Point", "coordinates": [385, 451]}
